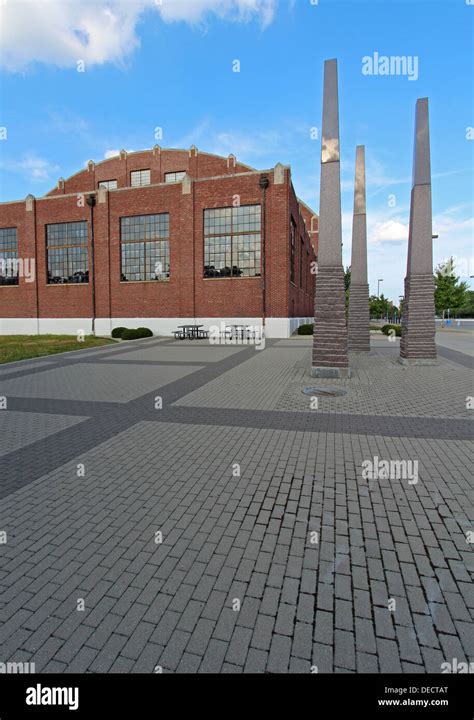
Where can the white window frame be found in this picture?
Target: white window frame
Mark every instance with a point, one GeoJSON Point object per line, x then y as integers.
{"type": "Point", "coordinates": [169, 179]}
{"type": "Point", "coordinates": [140, 178]}
{"type": "Point", "coordinates": [109, 184]}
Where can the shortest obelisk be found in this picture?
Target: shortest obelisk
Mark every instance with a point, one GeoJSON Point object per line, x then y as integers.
{"type": "Point", "coordinates": [417, 345]}
{"type": "Point", "coordinates": [358, 334]}
{"type": "Point", "coordinates": [330, 358]}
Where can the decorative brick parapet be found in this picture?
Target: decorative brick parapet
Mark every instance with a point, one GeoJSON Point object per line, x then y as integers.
{"type": "Point", "coordinates": [358, 332]}
{"type": "Point", "coordinates": [418, 325]}
{"type": "Point", "coordinates": [330, 328]}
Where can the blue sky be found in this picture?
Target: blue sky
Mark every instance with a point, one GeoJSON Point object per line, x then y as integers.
{"type": "Point", "coordinates": [170, 65]}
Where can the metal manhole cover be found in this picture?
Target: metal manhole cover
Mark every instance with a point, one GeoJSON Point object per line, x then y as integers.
{"type": "Point", "coordinates": [325, 391]}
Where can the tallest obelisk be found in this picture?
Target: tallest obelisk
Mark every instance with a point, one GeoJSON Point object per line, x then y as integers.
{"type": "Point", "coordinates": [358, 339]}
{"type": "Point", "coordinates": [330, 358]}
{"type": "Point", "coordinates": [417, 345]}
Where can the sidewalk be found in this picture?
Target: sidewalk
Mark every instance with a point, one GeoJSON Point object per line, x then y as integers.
{"type": "Point", "coordinates": [229, 527]}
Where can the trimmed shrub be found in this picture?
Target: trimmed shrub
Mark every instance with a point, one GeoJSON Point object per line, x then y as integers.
{"type": "Point", "coordinates": [146, 332]}
{"type": "Point", "coordinates": [306, 329]}
{"type": "Point", "coordinates": [386, 329]}
{"type": "Point", "coordinates": [136, 333]}
{"type": "Point", "coordinates": [117, 332]}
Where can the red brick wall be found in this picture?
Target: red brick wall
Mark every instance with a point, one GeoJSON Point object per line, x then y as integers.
{"type": "Point", "coordinates": [159, 162]}
{"type": "Point", "coordinates": [301, 292]}
{"type": "Point", "coordinates": [187, 293]}
{"type": "Point", "coordinates": [19, 300]}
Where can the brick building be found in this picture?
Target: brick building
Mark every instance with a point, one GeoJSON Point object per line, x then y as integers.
{"type": "Point", "coordinates": [156, 237]}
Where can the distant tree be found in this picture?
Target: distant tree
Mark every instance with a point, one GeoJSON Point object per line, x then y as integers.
{"type": "Point", "coordinates": [380, 307]}
{"type": "Point", "coordinates": [450, 293]}
{"type": "Point", "coordinates": [347, 278]}
{"type": "Point", "coordinates": [467, 310]}
{"type": "Point", "coordinates": [400, 309]}
{"type": "Point", "coordinates": [347, 284]}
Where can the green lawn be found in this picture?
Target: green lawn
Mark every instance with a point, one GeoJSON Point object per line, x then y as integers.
{"type": "Point", "coordinates": [22, 347]}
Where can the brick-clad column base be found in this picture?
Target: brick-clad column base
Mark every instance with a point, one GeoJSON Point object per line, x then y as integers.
{"type": "Point", "coordinates": [358, 331]}
{"type": "Point", "coordinates": [417, 345]}
{"type": "Point", "coordinates": [330, 328]}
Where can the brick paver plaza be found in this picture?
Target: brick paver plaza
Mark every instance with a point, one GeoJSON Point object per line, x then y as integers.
{"type": "Point", "coordinates": [259, 500]}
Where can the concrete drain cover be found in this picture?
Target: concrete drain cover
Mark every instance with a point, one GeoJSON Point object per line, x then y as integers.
{"type": "Point", "coordinates": [325, 391]}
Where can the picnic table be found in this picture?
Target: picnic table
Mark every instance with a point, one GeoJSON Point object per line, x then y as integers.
{"type": "Point", "coordinates": [240, 331]}
{"type": "Point", "coordinates": [190, 332]}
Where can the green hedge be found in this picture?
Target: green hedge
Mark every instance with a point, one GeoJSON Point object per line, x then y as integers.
{"type": "Point", "coordinates": [117, 332]}
{"type": "Point", "coordinates": [137, 333]}
{"type": "Point", "coordinates": [386, 329]}
{"type": "Point", "coordinates": [306, 329]}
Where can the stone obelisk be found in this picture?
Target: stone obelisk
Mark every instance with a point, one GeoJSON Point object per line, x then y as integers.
{"type": "Point", "coordinates": [358, 334]}
{"type": "Point", "coordinates": [418, 346]}
{"type": "Point", "coordinates": [330, 328]}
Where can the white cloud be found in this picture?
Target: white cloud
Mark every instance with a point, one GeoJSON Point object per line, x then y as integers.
{"type": "Point", "coordinates": [113, 153]}
{"type": "Point", "coordinates": [31, 167]}
{"type": "Point", "coordinates": [64, 32]}
{"type": "Point", "coordinates": [456, 239]}
{"type": "Point", "coordinates": [236, 10]}
{"type": "Point", "coordinates": [389, 231]}
{"type": "Point", "coordinates": [248, 147]}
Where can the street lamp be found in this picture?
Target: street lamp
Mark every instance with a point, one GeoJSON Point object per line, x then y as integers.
{"type": "Point", "coordinates": [91, 202]}
{"type": "Point", "coordinates": [264, 183]}
{"type": "Point", "coordinates": [378, 287]}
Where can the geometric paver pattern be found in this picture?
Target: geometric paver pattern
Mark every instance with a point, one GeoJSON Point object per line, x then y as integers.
{"type": "Point", "coordinates": [240, 477]}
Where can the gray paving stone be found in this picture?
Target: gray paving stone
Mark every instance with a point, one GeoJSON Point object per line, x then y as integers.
{"type": "Point", "coordinates": [425, 631]}
{"type": "Point", "coordinates": [389, 660]}
{"type": "Point", "coordinates": [238, 646]}
{"type": "Point", "coordinates": [344, 649]}
{"type": "Point", "coordinates": [365, 637]}
{"type": "Point", "coordinates": [256, 661]}
{"type": "Point", "coordinates": [171, 603]}
{"type": "Point", "coordinates": [171, 655]}
{"type": "Point", "coordinates": [279, 656]}
{"type": "Point", "coordinates": [189, 663]}
{"type": "Point", "coordinates": [408, 644]}
{"type": "Point", "coordinates": [285, 620]}
{"type": "Point", "coordinates": [302, 641]}
{"type": "Point", "coordinates": [367, 663]}
{"type": "Point", "coordinates": [262, 634]}
{"type": "Point", "coordinates": [213, 658]}
{"type": "Point", "coordinates": [384, 622]}
{"type": "Point", "coordinates": [322, 658]}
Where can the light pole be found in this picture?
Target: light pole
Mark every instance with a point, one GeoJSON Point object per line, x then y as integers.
{"type": "Point", "coordinates": [264, 184]}
{"type": "Point", "coordinates": [378, 287]}
{"type": "Point", "coordinates": [91, 202]}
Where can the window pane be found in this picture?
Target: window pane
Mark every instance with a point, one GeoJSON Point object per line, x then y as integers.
{"type": "Point", "coordinates": [109, 184]}
{"type": "Point", "coordinates": [145, 256]}
{"type": "Point", "coordinates": [67, 253]}
{"type": "Point", "coordinates": [140, 177]}
{"type": "Point", "coordinates": [218, 256]}
{"type": "Point", "coordinates": [175, 176]}
{"type": "Point", "coordinates": [232, 242]}
{"type": "Point", "coordinates": [8, 256]}
{"type": "Point", "coordinates": [292, 250]}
